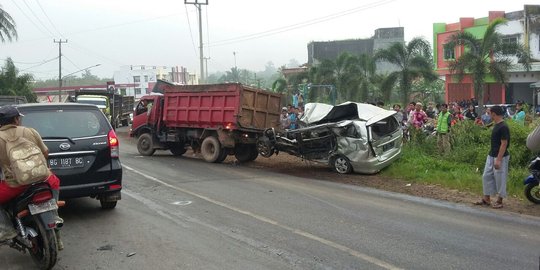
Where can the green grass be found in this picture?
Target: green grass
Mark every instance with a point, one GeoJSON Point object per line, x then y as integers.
{"type": "Point", "coordinates": [462, 168]}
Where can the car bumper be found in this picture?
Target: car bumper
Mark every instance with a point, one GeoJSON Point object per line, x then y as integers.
{"type": "Point", "coordinates": [375, 164]}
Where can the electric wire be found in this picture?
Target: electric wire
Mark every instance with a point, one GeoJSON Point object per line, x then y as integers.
{"type": "Point", "coordinates": [300, 24]}
{"type": "Point", "coordinates": [28, 18]}
{"type": "Point", "coordinates": [40, 64]}
{"type": "Point", "coordinates": [191, 33]}
{"type": "Point", "coordinates": [48, 18]}
{"type": "Point", "coordinates": [37, 18]}
{"type": "Point", "coordinates": [69, 60]}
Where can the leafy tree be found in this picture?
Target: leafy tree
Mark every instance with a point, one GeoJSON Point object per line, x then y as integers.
{"type": "Point", "coordinates": [413, 61]}
{"type": "Point", "coordinates": [13, 84]}
{"type": "Point", "coordinates": [7, 26]}
{"type": "Point", "coordinates": [367, 68]}
{"type": "Point", "coordinates": [486, 56]}
{"type": "Point", "coordinates": [279, 85]}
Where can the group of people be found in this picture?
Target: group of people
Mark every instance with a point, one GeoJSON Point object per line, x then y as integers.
{"type": "Point", "coordinates": [289, 117]}
{"type": "Point", "coordinates": [496, 167]}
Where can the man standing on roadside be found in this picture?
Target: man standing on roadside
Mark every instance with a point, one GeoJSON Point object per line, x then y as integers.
{"type": "Point", "coordinates": [496, 169]}
{"type": "Point", "coordinates": [443, 127]}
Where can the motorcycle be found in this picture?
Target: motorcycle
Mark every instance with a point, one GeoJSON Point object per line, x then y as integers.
{"type": "Point", "coordinates": [532, 182]}
{"type": "Point", "coordinates": [34, 218]}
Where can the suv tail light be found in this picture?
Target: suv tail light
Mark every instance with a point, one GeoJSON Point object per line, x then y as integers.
{"type": "Point", "coordinates": [113, 144]}
{"type": "Point", "coordinates": [42, 196]}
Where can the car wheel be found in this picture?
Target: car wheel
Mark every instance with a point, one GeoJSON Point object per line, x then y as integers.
{"type": "Point", "coordinates": [342, 165]}
{"type": "Point", "coordinates": [211, 149]}
{"type": "Point", "coordinates": [145, 145]}
{"type": "Point", "coordinates": [108, 204]}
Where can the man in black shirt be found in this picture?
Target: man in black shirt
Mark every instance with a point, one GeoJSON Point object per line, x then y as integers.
{"type": "Point", "coordinates": [496, 169]}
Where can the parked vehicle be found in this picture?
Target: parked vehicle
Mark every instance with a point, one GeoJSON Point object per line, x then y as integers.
{"type": "Point", "coordinates": [83, 149]}
{"type": "Point", "coordinates": [33, 218]}
{"type": "Point", "coordinates": [532, 182]}
{"type": "Point", "coordinates": [117, 107]}
{"type": "Point", "coordinates": [12, 100]}
{"type": "Point", "coordinates": [217, 120]}
{"type": "Point", "coordinates": [348, 137]}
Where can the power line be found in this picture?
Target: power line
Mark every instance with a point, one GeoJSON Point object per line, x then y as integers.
{"type": "Point", "coordinates": [47, 16]}
{"type": "Point", "coordinates": [38, 19]}
{"type": "Point", "coordinates": [72, 62]}
{"type": "Point", "coordinates": [191, 33]}
{"type": "Point", "coordinates": [27, 17]}
{"type": "Point", "coordinates": [300, 24]}
{"type": "Point", "coordinates": [42, 63]}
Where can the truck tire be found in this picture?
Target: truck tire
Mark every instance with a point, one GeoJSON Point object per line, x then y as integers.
{"type": "Point", "coordinates": [223, 155]}
{"type": "Point", "coordinates": [211, 149]}
{"type": "Point", "coordinates": [125, 122]}
{"type": "Point", "coordinates": [145, 145]}
{"type": "Point", "coordinates": [177, 149]}
{"type": "Point", "coordinates": [245, 152]}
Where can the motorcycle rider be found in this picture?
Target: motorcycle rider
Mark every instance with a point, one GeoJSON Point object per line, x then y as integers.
{"type": "Point", "coordinates": [10, 121]}
{"type": "Point", "coordinates": [533, 140]}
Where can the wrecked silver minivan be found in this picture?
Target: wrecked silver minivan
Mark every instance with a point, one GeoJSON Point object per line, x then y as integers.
{"type": "Point", "coordinates": [348, 137]}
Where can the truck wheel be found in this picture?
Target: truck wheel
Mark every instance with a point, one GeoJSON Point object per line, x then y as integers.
{"type": "Point", "coordinates": [125, 122]}
{"type": "Point", "coordinates": [145, 145]}
{"type": "Point", "coordinates": [245, 152]}
{"type": "Point", "coordinates": [211, 149]}
{"type": "Point", "coordinates": [223, 155]}
{"type": "Point", "coordinates": [177, 149]}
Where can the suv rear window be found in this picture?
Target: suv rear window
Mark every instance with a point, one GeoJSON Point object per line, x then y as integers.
{"type": "Point", "coordinates": [384, 127]}
{"type": "Point", "coordinates": [66, 123]}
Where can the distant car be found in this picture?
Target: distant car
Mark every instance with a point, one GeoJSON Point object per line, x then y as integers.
{"type": "Point", "coordinates": [83, 149]}
{"type": "Point", "coordinates": [348, 137]}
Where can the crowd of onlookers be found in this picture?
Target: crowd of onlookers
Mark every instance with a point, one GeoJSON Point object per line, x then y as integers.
{"type": "Point", "coordinates": [292, 112]}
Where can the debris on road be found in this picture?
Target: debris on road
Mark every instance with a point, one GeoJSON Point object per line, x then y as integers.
{"type": "Point", "coordinates": [131, 254]}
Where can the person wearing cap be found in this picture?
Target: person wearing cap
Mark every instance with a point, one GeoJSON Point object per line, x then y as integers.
{"type": "Point", "coordinates": [284, 118]}
{"type": "Point", "coordinates": [10, 121]}
{"type": "Point", "coordinates": [496, 168]}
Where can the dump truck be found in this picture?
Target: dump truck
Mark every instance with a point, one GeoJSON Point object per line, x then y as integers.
{"type": "Point", "coordinates": [216, 120]}
{"type": "Point", "coordinates": [116, 107]}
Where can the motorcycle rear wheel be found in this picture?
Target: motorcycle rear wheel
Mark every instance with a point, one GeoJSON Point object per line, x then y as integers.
{"type": "Point", "coordinates": [44, 249]}
{"type": "Point", "coordinates": [532, 192]}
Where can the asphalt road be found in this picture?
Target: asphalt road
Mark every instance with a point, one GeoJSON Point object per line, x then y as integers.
{"type": "Point", "coordinates": [183, 213]}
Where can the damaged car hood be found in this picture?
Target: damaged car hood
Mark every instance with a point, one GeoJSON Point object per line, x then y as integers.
{"type": "Point", "coordinates": [320, 113]}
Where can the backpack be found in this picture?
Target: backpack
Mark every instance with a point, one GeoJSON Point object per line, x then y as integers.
{"type": "Point", "coordinates": [27, 162]}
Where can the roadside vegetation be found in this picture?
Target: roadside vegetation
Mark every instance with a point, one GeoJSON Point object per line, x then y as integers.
{"type": "Point", "coordinates": [462, 168]}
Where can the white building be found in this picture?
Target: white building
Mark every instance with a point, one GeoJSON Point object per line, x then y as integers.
{"type": "Point", "coordinates": [139, 80]}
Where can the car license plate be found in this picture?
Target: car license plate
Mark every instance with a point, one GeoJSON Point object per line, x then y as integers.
{"type": "Point", "coordinates": [66, 163]}
{"type": "Point", "coordinates": [42, 207]}
{"type": "Point", "coordinates": [388, 146]}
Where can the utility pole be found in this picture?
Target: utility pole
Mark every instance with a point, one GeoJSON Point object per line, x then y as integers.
{"type": "Point", "coordinates": [198, 4]}
{"type": "Point", "coordinates": [234, 54]}
{"type": "Point", "coordinates": [60, 67]}
{"type": "Point", "coordinates": [206, 65]}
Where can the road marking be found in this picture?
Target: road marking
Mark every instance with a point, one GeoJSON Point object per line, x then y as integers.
{"type": "Point", "coordinates": [182, 203]}
{"type": "Point", "coordinates": [337, 246]}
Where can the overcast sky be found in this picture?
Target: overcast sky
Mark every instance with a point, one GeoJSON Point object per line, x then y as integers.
{"type": "Point", "coordinates": [114, 33]}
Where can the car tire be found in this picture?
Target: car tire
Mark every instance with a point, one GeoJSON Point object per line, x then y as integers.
{"type": "Point", "coordinates": [145, 145]}
{"type": "Point", "coordinates": [211, 149]}
{"type": "Point", "coordinates": [342, 165]}
{"type": "Point", "coordinates": [108, 204]}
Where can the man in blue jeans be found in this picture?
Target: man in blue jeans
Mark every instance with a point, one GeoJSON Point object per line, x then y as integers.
{"type": "Point", "coordinates": [496, 169]}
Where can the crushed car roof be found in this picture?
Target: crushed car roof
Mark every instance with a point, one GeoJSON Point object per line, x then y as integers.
{"type": "Point", "coordinates": [320, 113]}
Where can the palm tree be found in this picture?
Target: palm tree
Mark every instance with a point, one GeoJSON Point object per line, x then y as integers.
{"type": "Point", "coordinates": [7, 26]}
{"type": "Point", "coordinates": [486, 56]}
{"type": "Point", "coordinates": [413, 61]}
{"type": "Point", "coordinates": [13, 84]}
{"type": "Point", "coordinates": [367, 77]}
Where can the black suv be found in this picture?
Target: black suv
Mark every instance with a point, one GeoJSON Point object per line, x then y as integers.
{"type": "Point", "coordinates": [83, 149]}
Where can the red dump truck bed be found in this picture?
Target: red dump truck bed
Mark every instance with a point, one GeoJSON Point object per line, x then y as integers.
{"type": "Point", "coordinates": [231, 106]}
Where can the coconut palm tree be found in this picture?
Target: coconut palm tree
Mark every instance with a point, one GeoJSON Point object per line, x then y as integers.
{"type": "Point", "coordinates": [367, 76]}
{"type": "Point", "coordinates": [486, 56]}
{"type": "Point", "coordinates": [413, 61]}
{"type": "Point", "coordinates": [7, 26]}
{"type": "Point", "coordinates": [13, 84]}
